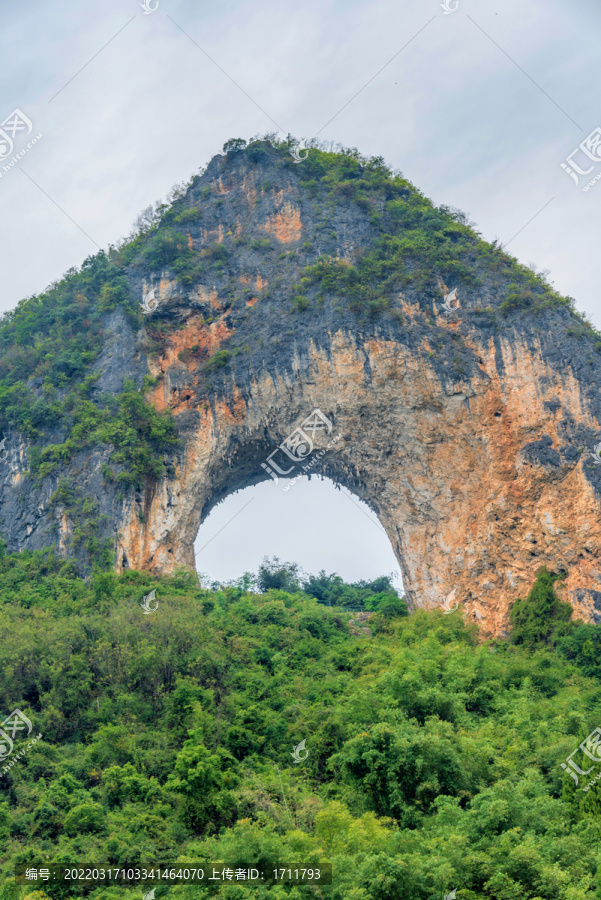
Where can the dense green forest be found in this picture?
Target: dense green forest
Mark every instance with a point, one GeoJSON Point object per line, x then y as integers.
{"type": "Point", "coordinates": [432, 760]}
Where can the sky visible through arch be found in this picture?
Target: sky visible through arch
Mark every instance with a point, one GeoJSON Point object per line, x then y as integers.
{"type": "Point", "coordinates": [314, 524]}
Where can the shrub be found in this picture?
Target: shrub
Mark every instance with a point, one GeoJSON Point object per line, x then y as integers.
{"type": "Point", "coordinates": [215, 252]}
{"type": "Point", "coordinates": [164, 248]}
{"type": "Point", "coordinates": [218, 361]}
{"type": "Point", "coordinates": [277, 575]}
{"type": "Point", "coordinates": [234, 145]}
{"type": "Point", "coordinates": [542, 616]}
{"type": "Point", "coordinates": [88, 818]}
{"type": "Point", "coordinates": [301, 303]}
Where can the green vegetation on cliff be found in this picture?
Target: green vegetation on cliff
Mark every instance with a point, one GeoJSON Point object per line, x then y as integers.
{"type": "Point", "coordinates": [135, 430]}
{"type": "Point", "coordinates": [433, 761]}
{"type": "Point", "coordinates": [50, 341]}
{"type": "Point", "coordinates": [48, 347]}
{"type": "Point", "coordinates": [416, 242]}
{"type": "Point", "coordinates": [542, 617]}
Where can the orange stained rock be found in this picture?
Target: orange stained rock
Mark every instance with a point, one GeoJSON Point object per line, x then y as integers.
{"type": "Point", "coordinates": [285, 225]}
{"type": "Point", "coordinates": [208, 339]}
{"type": "Point", "coordinates": [440, 461]}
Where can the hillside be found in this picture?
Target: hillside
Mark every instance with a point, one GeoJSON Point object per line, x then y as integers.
{"type": "Point", "coordinates": [432, 762]}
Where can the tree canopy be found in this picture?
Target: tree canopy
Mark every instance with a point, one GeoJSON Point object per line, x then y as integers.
{"type": "Point", "coordinates": [433, 760]}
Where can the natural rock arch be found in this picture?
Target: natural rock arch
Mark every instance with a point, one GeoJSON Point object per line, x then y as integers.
{"type": "Point", "coordinates": [472, 503]}
{"type": "Point", "coordinates": [468, 432]}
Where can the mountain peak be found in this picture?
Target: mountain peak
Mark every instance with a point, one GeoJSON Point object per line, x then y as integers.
{"type": "Point", "coordinates": [460, 387]}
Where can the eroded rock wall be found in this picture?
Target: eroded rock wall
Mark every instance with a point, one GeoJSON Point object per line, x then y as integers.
{"type": "Point", "coordinates": [472, 479]}
{"type": "Point", "coordinates": [469, 434]}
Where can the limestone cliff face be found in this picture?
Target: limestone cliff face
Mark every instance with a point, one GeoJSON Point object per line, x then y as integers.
{"type": "Point", "coordinates": [468, 433]}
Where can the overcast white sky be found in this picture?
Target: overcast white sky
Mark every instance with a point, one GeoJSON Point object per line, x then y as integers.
{"type": "Point", "coordinates": [478, 107]}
